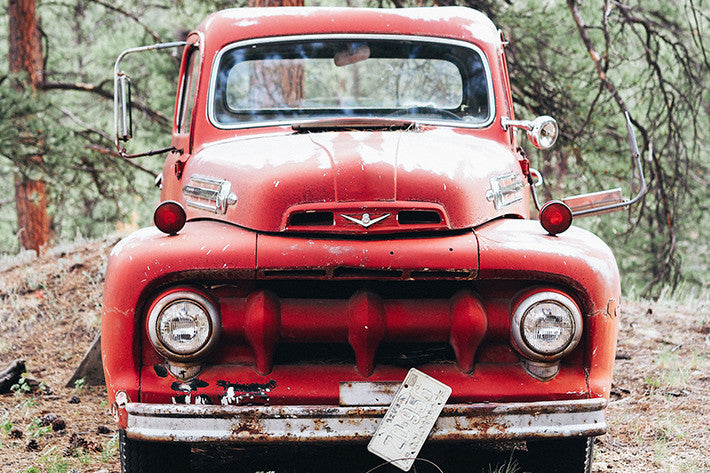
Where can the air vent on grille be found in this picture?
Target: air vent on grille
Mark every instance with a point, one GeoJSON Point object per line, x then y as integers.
{"type": "Point", "coordinates": [308, 219]}
{"type": "Point", "coordinates": [418, 217]}
{"type": "Point", "coordinates": [345, 272]}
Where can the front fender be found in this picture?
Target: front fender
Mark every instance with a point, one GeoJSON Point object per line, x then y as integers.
{"type": "Point", "coordinates": [147, 259]}
{"type": "Point", "coordinates": [522, 249]}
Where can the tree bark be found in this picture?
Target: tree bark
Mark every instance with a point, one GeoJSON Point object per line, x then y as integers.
{"type": "Point", "coordinates": [32, 219]}
{"type": "Point", "coordinates": [25, 57]}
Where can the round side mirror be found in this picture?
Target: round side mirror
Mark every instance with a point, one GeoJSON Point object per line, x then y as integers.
{"type": "Point", "coordinates": [543, 132]}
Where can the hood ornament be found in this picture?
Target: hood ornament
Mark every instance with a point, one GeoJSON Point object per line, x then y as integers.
{"type": "Point", "coordinates": [365, 221]}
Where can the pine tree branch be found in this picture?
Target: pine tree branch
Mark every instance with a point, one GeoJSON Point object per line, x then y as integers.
{"type": "Point", "coordinates": [154, 115]}
{"type": "Point", "coordinates": [133, 16]}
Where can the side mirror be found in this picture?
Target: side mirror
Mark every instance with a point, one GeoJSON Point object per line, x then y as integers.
{"type": "Point", "coordinates": [123, 121]}
{"type": "Point", "coordinates": [542, 132]}
{"type": "Point", "coordinates": [122, 106]}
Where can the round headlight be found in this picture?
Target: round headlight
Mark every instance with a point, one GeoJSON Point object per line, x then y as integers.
{"type": "Point", "coordinates": [546, 325]}
{"type": "Point", "coordinates": [183, 325]}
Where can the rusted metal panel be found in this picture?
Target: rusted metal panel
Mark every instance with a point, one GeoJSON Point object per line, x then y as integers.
{"type": "Point", "coordinates": [327, 424]}
{"type": "Point", "coordinates": [367, 393]}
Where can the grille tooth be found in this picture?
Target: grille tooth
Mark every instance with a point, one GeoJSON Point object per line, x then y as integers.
{"type": "Point", "coordinates": [468, 326]}
{"type": "Point", "coordinates": [366, 329]}
{"type": "Point", "coordinates": [262, 327]}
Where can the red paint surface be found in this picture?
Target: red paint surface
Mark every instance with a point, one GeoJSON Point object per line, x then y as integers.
{"type": "Point", "coordinates": [356, 290]}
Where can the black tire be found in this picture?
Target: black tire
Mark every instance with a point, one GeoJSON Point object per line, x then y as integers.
{"type": "Point", "coordinates": [139, 456]}
{"type": "Point", "coordinates": [566, 455]}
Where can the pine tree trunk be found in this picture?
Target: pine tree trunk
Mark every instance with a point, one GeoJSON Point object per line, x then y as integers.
{"type": "Point", "coordinates": [25, 57]}
{"type": "Point", "coordinates": [32, 220]}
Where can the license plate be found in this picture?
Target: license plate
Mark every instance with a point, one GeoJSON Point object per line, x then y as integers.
{"type": "Point", "coordinates": [406, 425]}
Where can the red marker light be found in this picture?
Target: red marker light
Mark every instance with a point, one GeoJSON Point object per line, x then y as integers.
{"type": "Point", "coordinates": [169, 217]}
{"type": "Point", "coordinates": [555, 217]}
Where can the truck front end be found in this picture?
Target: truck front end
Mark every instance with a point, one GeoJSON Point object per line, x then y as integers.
{"type": "Point", "coordinates": [342, 205]}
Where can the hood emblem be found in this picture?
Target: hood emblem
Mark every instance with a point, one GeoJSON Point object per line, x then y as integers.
{"type": "Point", "coordinates": [365, 221]}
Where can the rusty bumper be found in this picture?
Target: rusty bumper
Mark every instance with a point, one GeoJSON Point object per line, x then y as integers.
{"type": "Point", "coordinates": [324, 424]}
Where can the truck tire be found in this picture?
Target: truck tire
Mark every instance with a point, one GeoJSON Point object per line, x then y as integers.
{"type": "Point", "coordinates": [567, 455]}
{"type": "Point", "coordinates": [138, 456]}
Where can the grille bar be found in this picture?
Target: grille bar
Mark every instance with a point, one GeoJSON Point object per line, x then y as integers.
{"type": "Point", "coordinates": [364, 321]}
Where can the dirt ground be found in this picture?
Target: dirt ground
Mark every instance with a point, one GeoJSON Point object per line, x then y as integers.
{"type": "Point", "coordinates": [659, 415]}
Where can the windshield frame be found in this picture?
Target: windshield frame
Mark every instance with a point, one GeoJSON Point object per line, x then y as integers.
{"type": "Point", "coordinates": [355, 37]}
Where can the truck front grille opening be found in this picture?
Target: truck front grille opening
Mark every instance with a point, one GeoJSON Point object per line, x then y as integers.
{"type": "Point", "coordinates": [418, 217]}
{"type": "Point", "coordinates": [311, 219]}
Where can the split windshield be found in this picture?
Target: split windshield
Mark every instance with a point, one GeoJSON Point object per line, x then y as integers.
{"type": "Point", "coordinates": [292, 81]}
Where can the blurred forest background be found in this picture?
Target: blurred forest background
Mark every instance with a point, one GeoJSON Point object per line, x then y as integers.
{"type": "Point", "coordinates": [580, 62]}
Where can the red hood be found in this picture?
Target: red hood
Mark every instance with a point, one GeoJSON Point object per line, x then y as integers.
{"type": "Point", "coordinates": [353, 173]}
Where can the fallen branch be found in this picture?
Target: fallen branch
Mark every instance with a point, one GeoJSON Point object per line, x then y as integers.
{"type": "Point", "coordinates": [11, 375]}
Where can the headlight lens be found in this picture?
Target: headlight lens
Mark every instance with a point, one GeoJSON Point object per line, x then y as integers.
{"type": "Point", "coordinates": [183, 325]}
{"type": "Point", "coordinates": [546, 325]}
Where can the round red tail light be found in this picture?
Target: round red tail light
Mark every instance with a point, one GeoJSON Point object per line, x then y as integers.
{"type": "Point", "coordinates": [169, 217]}
{"type": "Point", "coordinates": [555, 217]}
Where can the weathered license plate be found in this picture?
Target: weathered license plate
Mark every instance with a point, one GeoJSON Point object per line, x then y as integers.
{"type": "Point", "coordinates": [409, 419]}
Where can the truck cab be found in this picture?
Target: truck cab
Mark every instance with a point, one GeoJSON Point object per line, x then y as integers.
{"type": "Point", "coordinates": [345, 204]}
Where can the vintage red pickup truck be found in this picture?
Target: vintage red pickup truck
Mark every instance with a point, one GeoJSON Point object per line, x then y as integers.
{"type": "Point", "coordinates": [345, 199]}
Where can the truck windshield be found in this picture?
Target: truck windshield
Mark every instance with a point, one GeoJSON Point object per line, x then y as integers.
{"type": "Point", "coordinates": [291, 81]}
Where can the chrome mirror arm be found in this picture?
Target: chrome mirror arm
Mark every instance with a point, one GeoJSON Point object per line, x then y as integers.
{"type": "Point", "coordinates": [121, 95]}
{"type": "Point", "coordinates": [542, 132]}
{"type": "Point", "coordinates": [636, 156]}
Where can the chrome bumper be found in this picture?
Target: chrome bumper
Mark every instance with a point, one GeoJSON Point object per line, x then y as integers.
{"type": "Point", "coordinates": [324, 424]}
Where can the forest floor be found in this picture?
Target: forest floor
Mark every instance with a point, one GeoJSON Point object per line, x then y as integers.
{"type": "Point", "coordinates": [659, 415]}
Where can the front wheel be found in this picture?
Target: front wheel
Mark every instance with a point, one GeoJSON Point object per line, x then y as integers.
{"type": "Point", "coordinates": [138, 456]}
{"type": "Point", "coordinates": [565, 455]}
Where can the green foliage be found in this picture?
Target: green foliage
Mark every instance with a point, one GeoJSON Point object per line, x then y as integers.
{"type": "Point", "coordinates": [6, 425]}
{"type": "Point", "coordinates": [110, 450]}
{"type": "Point", "coordinates": [22, 386]}
{"type": "Point", "coordinates": [80, 383]}
{"type": "Point", "coordinates": [37, 430]}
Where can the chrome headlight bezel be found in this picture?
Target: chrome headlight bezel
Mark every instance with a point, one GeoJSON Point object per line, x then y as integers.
{"type": "Point", "coordinates": [525, 308]}
{"type": "Point", "coordinates": [211, 320]}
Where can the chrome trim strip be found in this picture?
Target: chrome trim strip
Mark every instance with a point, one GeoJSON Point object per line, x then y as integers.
{"type": "Point", "coordinates": [218, 194]}
{"type": "Point", "coordinates": [505, 190]}
{"type": "Point", "coordinates": [322, 424]}
{"type": "Point", "coordinates": [341, 36]}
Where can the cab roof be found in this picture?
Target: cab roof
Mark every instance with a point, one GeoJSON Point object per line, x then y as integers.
{"type": "Point", "coordinates": [238, 24]}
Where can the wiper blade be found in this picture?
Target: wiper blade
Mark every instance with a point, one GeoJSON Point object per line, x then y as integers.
{"type": "Point", "coordinates": [350, 123]}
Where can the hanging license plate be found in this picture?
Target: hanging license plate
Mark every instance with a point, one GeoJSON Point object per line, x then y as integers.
{"type": "Point", "coordinates": [406, 425]}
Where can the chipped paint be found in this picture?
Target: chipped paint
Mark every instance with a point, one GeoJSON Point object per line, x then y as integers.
{"type": "Point", "coordinates": [268, 424]}
{"type": "Point", "coordinates": [236, 394]}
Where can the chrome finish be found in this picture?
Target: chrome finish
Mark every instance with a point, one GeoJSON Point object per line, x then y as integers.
{"type": "Point", "coordinates": [183, 371]}
{"type": "Point", "coordinates": [124, 122]}
{"type": "Point", "coordinates": [216, 191]}
{"type": "Point", "coordinates": [323, 424]}
{"type": "Point", "coordinates": [538, 176]}
{"type": "Point", "coordinates": [529, 302]}
{"type": "Point", "coordinates": [619, 204]}
{"type": "Point", "coordinates": [205, 304]}
{"type": "Point", "coordinates": [594, 200]}
{"type": "Point", "coordinates": [121, 95]}
{"type": "Point", "coordinates": [505, 190]}
{"type": "Point", "coordinates": [365, 221]}
{"type": "Point", "coordinates": [542, 131]}
{"type": "Point", "coordinates": [541, 370]}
